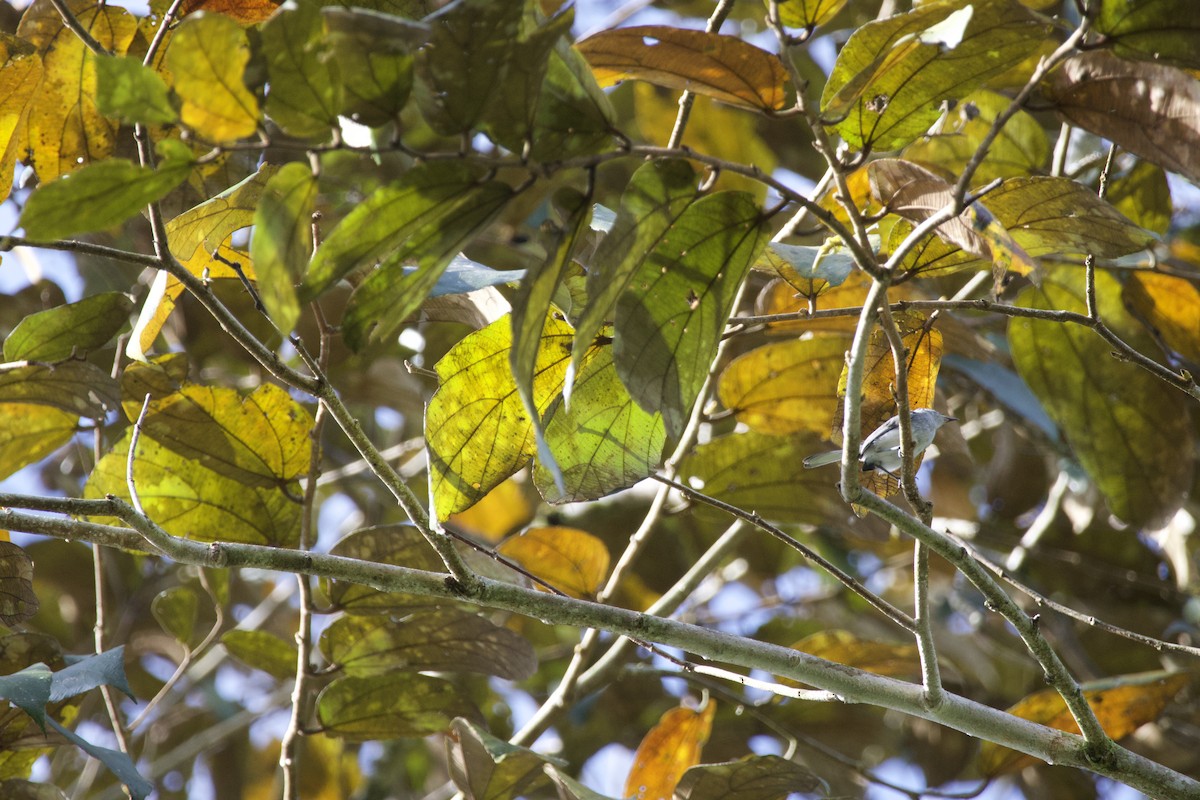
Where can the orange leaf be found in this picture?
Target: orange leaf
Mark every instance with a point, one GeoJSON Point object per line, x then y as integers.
{"type": "Point", "coordinates": [722, 67]}
{"type": "Point", "coordinates": [247, 12]}
{"type": "Point", "coordinates": [882, 658]}
{"type": "Point", "coordinates": [1122, 705]}
{"type": "Point", "coordinates": [669, 749]}
{"type": "Point", "coordinates": [571, 560]}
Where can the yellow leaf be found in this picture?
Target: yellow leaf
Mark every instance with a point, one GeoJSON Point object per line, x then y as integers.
{"type": "Point", "coordinates": [722, 67]}
{"type": "Point", "coordinates": [570, 560]}
{"type": "Point", "coordinates": [669, 749]}
{"type": "Point", "coordinates": [1122, 705]}
{"type": "Point", "coordinates": [19, 77]}
{"type": "Point", "coordinates": [66, 129]}
{"type": "Point", "coordinates": [808, 13]}
{"type": "Point", "coordinates": [207, 57]}
{"type": "Point", "coordinates": [504, 509]}
{"type": "Point", "coordinates": [786, 387]}
{"type": "Point", "coordinates": [29, 432]}
{"type": "Point", "coordinates": [882, 658]}
{"type": "Point", "coordinates": [1172, 307]}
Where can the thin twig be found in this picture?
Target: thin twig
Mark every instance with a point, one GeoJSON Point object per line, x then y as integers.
{"type": "Point", "coordinates": [72, 22]}
{"type": "Point", "coordinates": [1089, 263]}
{"type": "Point", "coordinates": [719, 15]}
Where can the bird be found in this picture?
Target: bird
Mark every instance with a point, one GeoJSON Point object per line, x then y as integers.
{"type": "Point", "coordinates": [881, 450]}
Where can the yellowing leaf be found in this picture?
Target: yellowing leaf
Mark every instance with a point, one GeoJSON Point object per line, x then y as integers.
{"type": "Point", "coordinates": [20, 74]}
{"type": "Point", "coordinates": [29, 433]}
{"type": "Point", "coordinates": [66, 129]}
{"type": "Point", "coordinates": [247, 12]}
{"type": "Point", "coordinates": [784, 388]}
{"type": "Point", "coordinates": [667, 751]}
{"type": "Point", "coordinates": [1172, 308]}
{"type": "Point", "coordinates": [392, 706]}
{"type": "Point", "coordinates": [808, 13]}
{"type": "Point", "coordinates": [882, 658]}
{"type": "Point", "coordinates": [1122, 705]}
{"type": "Point", "coordinates": [207, 57]}
{"type": "Point", "coordinates": [283, 241]}
{"type": "Point", "coordinates": [570, 560]}
{"type": "Point", "coordinates": [1143, 195]}
{"type": "Point", "coordinates": [476, 426]}
{"type": "Point", "coordinates": [722, 67]}
{"type": "Point", "coordinates": [210, 223]}
{"type": "Point", "coordinates": [502, 510]}
{"type": "Point", "coordinates": [56, 333]}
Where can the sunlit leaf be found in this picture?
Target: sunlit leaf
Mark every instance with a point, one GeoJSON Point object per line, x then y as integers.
{"type": "Point", "coordinates": [722, 67]}
{"type": "Point", "coordinates": [247, 12]}
{"type": "Point", "coordinates": [1143, 195]}
{"type": "Point", "coordinates": [487, 768]}
{"type": "Point", "coordinates": [76, 328]}
{"type": "Point", "coordinates": [20, 74]}
{"type": "Point", "coordinates": [502, 510]}
{"type": "Point", "coordinates": [262, 650]}
{"type": "Point", "coordinates": [751, 778]}
{"type": "Point", "coordinates": [1151, 110]}
{"type": "Point", "coordinates": [933, 254]}
{"type": "Point", "coordinates": [476, 426]}
{"type": "Point", "coordinates": [1117, 418]}
{"type": "Point", "coordinates": [97, 197]}
{"type": "Point", "coordinates": [667, 751]}
{"type": "Point", "coordinates": [29, 433]}
{"type": "Point", "coordinates": [437, 639]}
{"type": "Point", "coordinates": [210, 223]}
{"type": "Point", "coordinates": [1122, 705]}
{"type": "Point", "coordinates": [176, 609]}
{"type": "Point", "coordinates": [132, 92]}
{"type": "Point", "coordinates": [397, 545]}
{"type": "Point", "coordinates": [390, 706]}
{"type": "Point", "coordinates": [572, 561]}
{"type": "Point", "coordinates": [784, 388]}
{"type": "Point", "coordinates": [843, 647]}
{"type": "Point", "coordinates": [17, 599]}
{"type": "Point", "coordinates": [1162, 31]}
{"type": "Point", "coordinates": [671, 318]}
{"type": "Point", "coordinates": [66, 129]}
{"type": "Point", "coordinates": [304, 94]}
{"type": "Point", "coordinates": [207, 57]}
{"type": "Point", "coordinates": [808, 14]}
{"type": "Point", "coordinates": [1171, 306]}
{"type": "Point", "coordinates": [283, 241]}
{"type": "Point", "coordinates": [890, 80]}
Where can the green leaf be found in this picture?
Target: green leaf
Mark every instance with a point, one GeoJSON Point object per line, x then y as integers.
{"type": "Point", "coordinates": [893, 75]}
{"type": "Point", "coordinates": [375, 63]}
{"type": "Point", "coordinates": [18, 602]}
{"type": "Point", "coordinates": [91, 672]}
{"type": "Point", "coordinates": [73, 329]}
{"type": "Point", "coordinates": [16, 789]}
{"type": "Point", "coordinates": [602, 441]}
{"type": "Point", "coordinates": [132, 92]}
{"type": "Point", "coordinates": [412, 217]}
{"type": "Point", "coordinates": [671, 318]}
{"type": "Point", "coordinates": [210, 223]}
{"type": "Point", "coordinates": [117, 762]}
{"type": "Point", "coordinates": [398, 545]}
{"type": "Point", "coordinates": [305, 92]}
{"type": "Point", "coordinates": [808, 14]}
{"type": "Point", "coordinates": [477, 429]}
{"type": "Point", "coordinates": [29, 690]}
{"type": "Point", "coordinates": [175, 609]}
{"type": "Point", "coordinates": [1129, 430]}
{"type": "Point", "coordinates": [463, 67]}
{"type": "Point", "coordinates": [207, 57]}
{"type": "Point", "coordinates": [31, 432]}
{"type": "Point", "coordinates": [570, 789]}
{"type": "Point", "coordinates": [765, 473]}
{"type": "Point", "coordinates": [262, 650]}
{"type": "Point", "coordinates": [78, 387]}
{"type": "Point", "coordinates": [192, 501]}
{"type": "Point", "coordinates": [574, 116]}
{"type": "Point", "coordinates": [97, 197]}
{"type": "Point", "coordinates": [485, 767]}
{"type": "Point", "coordinates": [283, 242]}
{"type": "Point", "coordinates": [1163, 31]}
{"type": "Point", "coordinates": [437, 639]}
{"type": "Point", "coordinates": [750, 778]}
{"type": "Point", "coordinates": [1143, 195]}
{"type": "Point", "coordinates": [390, 706]}
{"type": "Point", "coordinates": [656, 197]}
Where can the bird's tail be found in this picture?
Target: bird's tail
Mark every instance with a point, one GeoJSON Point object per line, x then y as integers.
{"type": "Point", "coordinates": [821, 459]}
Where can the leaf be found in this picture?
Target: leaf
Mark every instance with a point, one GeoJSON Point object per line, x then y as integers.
{"type": "Point", "coordinates": [283, 241]}
{"type": "Point", "coordinates": [262, 650]}
{"type": "Point", "coordinates": [392, 706]}
{"type": "Point", "coordinates": [1151, 110]}
{"type": "Point", "coordinates": [305, 93]}
{"type": "Point", "coordinates": [476, 426]}
{"type": "Point", "coordinates": [77, 387]}
{"type": "Point", "coordinates": [18, 602]}
{"type": "Point", "coordinates": [573, 561]}
{"type": "Point", "coordinates": [31, 432]}
{"type": "Point", "coordinates": [722, 67]}
{"type": "Point", "coordinates": [750, 778]}
{"type": "Point", "coordinates": [671, 318]}
{"type": "Point", "coordinates": [892, 77]}
{"type": "Point", "coordinates": [20, 74]}
{"type": "Point", "coordinates": [437, 639]}
{"type": "Point", "coordinates": [210, 223]}
{"type": "Point", "coordinates": [667, 751]}
{"type": "Point", "coordinates": [1122, 705]}
{"type": "Point", "coordinates": [657, 195]}
{"type": "Point", "coordinates": [97, 197]}
{"type": "Point", "coordinates": [808, 14]}
{"type": "Point", "coordinates": [602, 441]}
{"type": "Point", "coordinates": [1171, 306]}
{"type": "Point", "coordinates": [63, 331]}
{"type": "Point", "coordinates": [374, 64]}
{"type": "Point", "coordinates": [247, 12]}
{"type": "Point", "coordinates": [17, 789]}
{"type": "Point", "coordinates": [808, 270]}
{"type": "Point", "coordinates": [192, 501]}
{"type": "Point", "coordinates": [783, 388]}
{"type": "Point", "coordinates": [117, 762]}
{"type": "Point", "coordinates": [1143, 195]}
{"type": "Point", "coordinates": [29, 690]}
{"type": "Point", "coordinates": [574, 116]}
{"type": "Point", "coordinates": [934, 255]}
{"type": "Point", "coordinates": [1162, 31]}
{"type": "Point", "coordinates": [764, 473]}
{"type": "Point", "coordinates": [568, 788]}
{"type": "Point", "coordinates": [1118, 419]}
{"type": "Point", "coordinates": [65, 128]}
{"type": "Point", "coordinates": [132, 92]}
{"type": "Point", "coordinates": [412, 217]}
{"type": "Point", "coordinates": [487, 768]}
{"type": "Point", "coordinates": [175, 610]}
{"type": "Point", "coordinates": [843, 647]}
{"type": "Point", "coordinates": [386, 544]}
{"type": "Point", "coordinates": [207, 57]}
{"type": "Point", "coordinates": [90, 672]}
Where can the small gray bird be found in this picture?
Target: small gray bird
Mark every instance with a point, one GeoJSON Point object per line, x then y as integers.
{"type": "Point", "coordinates": [881, 450]}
